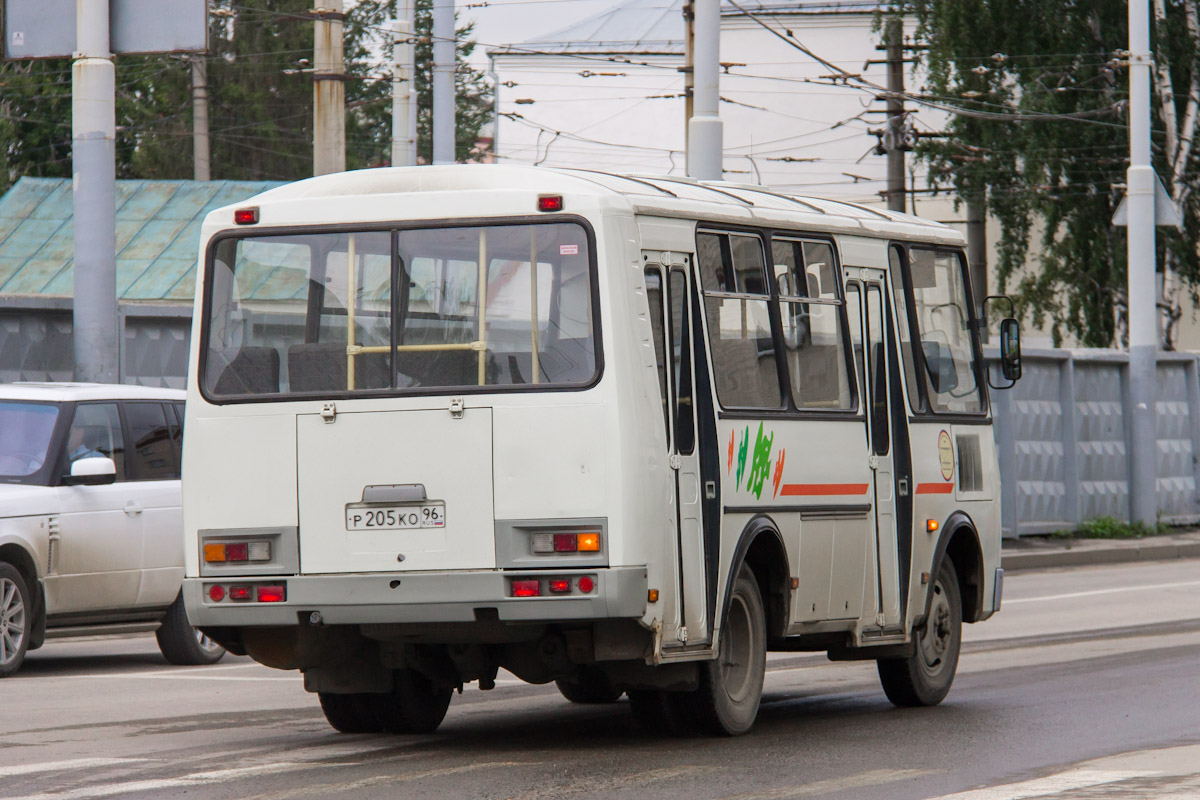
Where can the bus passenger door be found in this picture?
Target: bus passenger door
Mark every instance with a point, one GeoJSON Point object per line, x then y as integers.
{"type": "Point", "coordinates": [879, 416]}
{"type": "Point", "coordinates": [685, 462]}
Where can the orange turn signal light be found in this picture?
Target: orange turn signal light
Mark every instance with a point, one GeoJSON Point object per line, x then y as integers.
{"type": "Point", "coordinates": [652, 595]}
{"type": "Point", "coordinates": [214, 553]}
{"type": "Point", "coordinates": [589, 542]}
{"type": "Point", "coordinates": [931, 525]}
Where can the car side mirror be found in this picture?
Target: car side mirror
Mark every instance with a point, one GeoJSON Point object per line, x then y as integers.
{"type": "Point", "coordinates": [95, 471]}
{"type": "Point", "coordinates": [1010, 349]}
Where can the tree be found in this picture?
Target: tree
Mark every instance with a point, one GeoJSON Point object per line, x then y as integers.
{"type": "Point", "coordinates": [371, 101]}
{"type": "Point", "coordinates": [1041, 140]}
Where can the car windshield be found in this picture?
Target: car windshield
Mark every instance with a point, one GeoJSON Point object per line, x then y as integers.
{"type": "Point", "coordinates": [25, 430]}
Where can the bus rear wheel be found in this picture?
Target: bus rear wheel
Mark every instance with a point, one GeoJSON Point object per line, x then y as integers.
{"type": "Point", "coordinates": [414, 705]}
{"type": "Point", "coordinates": [726, 704]}
{"type": "Point", "coordinates": [924, 678]}
{"type": "Point", "coordinates": [350, 713]}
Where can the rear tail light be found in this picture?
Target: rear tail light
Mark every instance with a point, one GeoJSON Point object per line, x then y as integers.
{"type": "Point", "coordinates": [565, 543]}
{"type": "Point", "coordinates": [237, 551]}
{"type": "Point", "coordinates": [586, 584]}
{"type": "Point", "coordinates": [576, 542]}
{"type": "Point", "coordinates": [559, 585]}
{"type": "Point", "coordinates": [526, 588]}
{"type": "Point", "coordinates": [216, 593]}
{"type": "Point", "coordinates": [271, 594]}
{"type": "Point", "coordinates": [239, 592]}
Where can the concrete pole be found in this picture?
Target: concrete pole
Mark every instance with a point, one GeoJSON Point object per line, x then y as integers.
{"type": "Point", "coordinates": [404, 95]}
{"type": "Point", "coordinates": [93, 133]}
{"type": "Point", "coordinates": [896, 193]}
{"type": "Point", "coordinates": [200, 151]}
{"type": "Point", "coordinates": [1143, 499]}
{"type": "Point", "coordinates": [705, 133]}
{"type": "Point", "coordinates": [329, 91]}
{"type": "Point", "coordinates": [443, 81]}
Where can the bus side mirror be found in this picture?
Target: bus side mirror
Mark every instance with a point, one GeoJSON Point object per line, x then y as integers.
{"type": "Point", "coordinates": [1010, 349]}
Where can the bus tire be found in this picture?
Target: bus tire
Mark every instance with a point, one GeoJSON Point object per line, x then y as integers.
{"type": "Point", "coordinates": [589, 686]}
{"type": "Point", "coordinates": [654, 711]}
{"type": "Point", "coordinates": [16, 619]}
{"type": "Point", "coordinates": [350, 713]}
{"type": "Point", "coordinates": [924, 678]}
{"type": "Point", "coordinates": [182, 644]}
{"type": "Point", "coordinates": [726, 704]}
{"type": "Point", "coordinates": [414, 705]}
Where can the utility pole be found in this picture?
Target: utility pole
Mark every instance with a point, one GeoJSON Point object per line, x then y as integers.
{"type": "Point", "coordinates": [93, 162]}
{"type": "Point", "coordinates": [443, 82]}
{"type": "Point", "coordinates": [977, 252]}
{"type": "Point", "coordinates": [689, 67]}
{"type": "Point", "coordinates": [329, 90]}
{"type": "Point", "coordinates": [894, 141]}
{"type": "Point", "coordinates": [1143, 339]}
{"type": "Point", "coordinates": [200, 148]}
{"type": "Point", "coordinates": [404, 96]}
{"type": "Point", "coordinates": [705, 147]}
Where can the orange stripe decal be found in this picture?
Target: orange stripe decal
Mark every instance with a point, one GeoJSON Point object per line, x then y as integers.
{"type": "Point", "coordinates": [822, 489]}
{"type": "Point", "coordinates": [935, 488]}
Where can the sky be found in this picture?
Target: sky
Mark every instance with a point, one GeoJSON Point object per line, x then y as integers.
{"type": "Point", "coordinates": [501, 22]}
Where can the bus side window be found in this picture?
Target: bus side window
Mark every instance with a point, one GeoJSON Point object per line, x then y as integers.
{"type": "Point", "coordinates": [880, 431]}
{"type": "Point", "coordinates": [681, 349]}
{"type": "Point", "coordinates": [854, 320]}
{"type": "Point", "coordinates": [896, 267]}
{"type": "Point", "coordinates": [654, 296]}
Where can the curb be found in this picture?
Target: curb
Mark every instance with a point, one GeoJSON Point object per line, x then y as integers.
{"type": "Point", "coordinates": [1087, 555]}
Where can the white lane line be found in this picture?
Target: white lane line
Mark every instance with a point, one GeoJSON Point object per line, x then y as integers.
{"type": "Point", "coordinates": [327, 789]}
{"type": "Point", "coordinates": [862, 780]}
{"type": "Point", "coordinates": [1052, 785]}
{"type": "Point", "coordinates": [1093, 593]}
{"type": "Point", "coordinates": [164, 784]}
{"type": "Point", "coordinates": [54, 766]}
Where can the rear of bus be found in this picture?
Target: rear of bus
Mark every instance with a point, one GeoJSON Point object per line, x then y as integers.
{"type": "Point", "coordinates": [398, 439]}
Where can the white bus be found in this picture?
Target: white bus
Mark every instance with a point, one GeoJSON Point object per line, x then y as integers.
{"type": "Point", "coordinates": [625, 433]}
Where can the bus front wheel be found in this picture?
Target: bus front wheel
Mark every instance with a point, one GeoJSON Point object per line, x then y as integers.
{"type": "Point", "coordinates": [726, 704]}
{"type": "Point", "coordinates": [924, 678]}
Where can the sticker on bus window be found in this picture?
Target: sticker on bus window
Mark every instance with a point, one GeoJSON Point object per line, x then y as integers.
{"type": "Point", "coordinates": [568, 249]}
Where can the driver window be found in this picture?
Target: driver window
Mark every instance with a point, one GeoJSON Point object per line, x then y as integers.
{"type": "Point", "coordinates": [95, 432]}
{"type": "Point", "coordinates": [939, 295]}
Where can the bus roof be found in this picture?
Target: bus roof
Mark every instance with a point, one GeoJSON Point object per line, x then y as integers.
{"type": "Point", "coordinates": [657, 195]}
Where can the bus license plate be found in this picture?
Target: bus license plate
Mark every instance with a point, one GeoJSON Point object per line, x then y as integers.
{"type": "Point", "coordinates": [393, 518]}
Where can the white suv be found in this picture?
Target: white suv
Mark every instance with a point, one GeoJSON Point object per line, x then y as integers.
{"type": "Point", "coordinates": [91, 529]}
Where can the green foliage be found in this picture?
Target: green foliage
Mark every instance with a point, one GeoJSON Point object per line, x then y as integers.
{"type": "Point", "coordinates": [260, 99]}
{"type": "Point", "coordinates": [1112, 528]}
{"type": "Point", "coordinates": [1052, 170]}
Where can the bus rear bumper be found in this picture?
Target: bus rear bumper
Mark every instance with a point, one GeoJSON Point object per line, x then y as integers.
{"type": "Point", "coordinates": [618, 592]}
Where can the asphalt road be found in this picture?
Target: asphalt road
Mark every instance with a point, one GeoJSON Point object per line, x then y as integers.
{"type": "Point", "coordinates": [1085, 686]}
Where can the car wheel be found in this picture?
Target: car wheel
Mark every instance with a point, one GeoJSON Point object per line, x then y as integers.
{"type": "Point", "coordinates": [414, 705]}
{"type": "Point", "coordinates": [589, 686]}
{"type": "Point", "coordinates": [924, 678]}
{"type": "Point", "coordinates": [15, 619]}
{"type": "Point", "coordinates": [350, 713]}
{"type": "Point", "coordinates": [182, 644]}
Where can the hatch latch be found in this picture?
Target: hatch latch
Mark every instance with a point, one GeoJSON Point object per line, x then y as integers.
{"type": "Point", "coordinates": [329, 412]}
{"type": "Point", "coordinates": [456, 408]}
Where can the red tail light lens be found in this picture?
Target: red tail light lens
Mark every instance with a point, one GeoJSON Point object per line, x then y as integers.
{"type": "Point", "coordinates": [216, 593]}
{"type": "Point", "coordinates": [586, 584]}
{"type": "Point", "coordinates": [559, 585]}
{"type": "Point", "coordinates": [526, 589]}
{"type": "Point", "coordinates": [565, 543]}
{"type": "Point", "coordinates": [271, 594]}
{"type": "Point", "coordinates": [239, 592]}
{"type": "Point", "coordinates": [237, 552]}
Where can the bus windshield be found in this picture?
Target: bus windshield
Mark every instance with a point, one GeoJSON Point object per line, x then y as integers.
{"type": "Point", "coordinates": [407, 310]}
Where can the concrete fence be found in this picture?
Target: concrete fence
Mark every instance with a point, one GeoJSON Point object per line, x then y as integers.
{"type": "Point", "coordinates": [1062, 434]}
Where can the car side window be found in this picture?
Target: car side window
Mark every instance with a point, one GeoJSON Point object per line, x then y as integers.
{"type": "Point", "coordinates": [95, 432]}
{"type": "Point", "coordinates": [153, 453]}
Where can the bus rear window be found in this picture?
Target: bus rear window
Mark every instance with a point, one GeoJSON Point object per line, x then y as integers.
{"type": "Point", "coordinates": [422, 309]}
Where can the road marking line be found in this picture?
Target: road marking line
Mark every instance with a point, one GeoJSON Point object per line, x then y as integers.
{"type": "Point", "coordinates": [194, 779]}
{"type": "Point", "coordinates": [52, 766]}
{"type": "Point", "coordinates": [860, 781]}
{"type": "Point", "coordinates": [1095, 592]}
{"type": "Point", "coordinates": [327, 789]}
{"type": "Point", "coordinates": [1052, 785]}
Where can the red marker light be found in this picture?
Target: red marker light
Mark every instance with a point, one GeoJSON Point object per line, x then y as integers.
{"type": "Point", "coordinates": [236, 552]}
{"type": "Point", "coordinates": [246, 216]}
{"type": "Point", "coordinates": [239, 592]}
{"type": "Point", "coordinates": [559, 585]}
{"type": "Point", "coordinates": [271, 594]}
{"type": "Point", "coordinates": [526, 589]}
{"type": "Point", "coordinates": [565, 543]}
{"type": "Point", "coordinates": [586, 584]}
{"type": "Point", "coordinates": [216, 593]}
{"type": "Point", "coordinates": [550, 202]}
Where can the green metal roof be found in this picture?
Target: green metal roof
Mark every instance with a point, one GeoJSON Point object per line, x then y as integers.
{"type": "Point", "coordinates": [158, 232]}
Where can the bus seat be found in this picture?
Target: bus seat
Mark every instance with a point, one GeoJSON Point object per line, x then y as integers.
{"type": "Point", "coordinates": [321, 367]}
{"type": "Point", "coordinates": [248, 370]}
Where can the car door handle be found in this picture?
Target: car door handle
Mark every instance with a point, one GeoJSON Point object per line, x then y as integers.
{"type": "Point", "coordinates": [132, 509]}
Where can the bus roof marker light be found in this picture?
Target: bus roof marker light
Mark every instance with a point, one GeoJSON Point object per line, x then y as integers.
{"type": "Point", "coordinates": [550, 202]}
{"type": "Point", "coordinates": [246, 216]}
